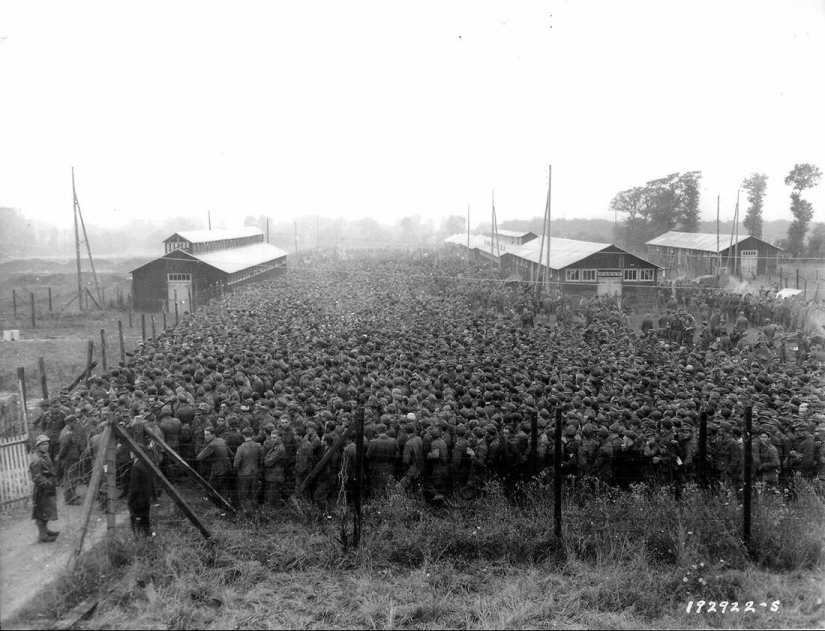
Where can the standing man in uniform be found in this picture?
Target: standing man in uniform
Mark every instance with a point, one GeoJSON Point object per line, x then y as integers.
{"type": "Point", "coordinates": [44, 499]}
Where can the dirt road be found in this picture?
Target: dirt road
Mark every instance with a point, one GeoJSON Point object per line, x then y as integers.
{"type": "Point", "coordinates": [26, 566]}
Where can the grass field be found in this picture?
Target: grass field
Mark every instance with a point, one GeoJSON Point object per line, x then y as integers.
{"type": "Point", "coordinates": [628, 562]}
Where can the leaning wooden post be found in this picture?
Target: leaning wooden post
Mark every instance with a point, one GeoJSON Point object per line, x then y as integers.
{"type": "Point", "coordinates": [90, 353]}
{"type": "Point", "coordinates": [103, 347]}
{"type": "Point", "coordinates": [89, 499]}
{"type": "Point", "coordinates": [50, 299]}
{"type": "Point", "coordinates": [21, 386]}
{"type": "Point", "coordinates": [167, 486]}
{"type": "Point", "coordinates": [111, 478]}
{"type": "Point", "coordinates": [41, 366]}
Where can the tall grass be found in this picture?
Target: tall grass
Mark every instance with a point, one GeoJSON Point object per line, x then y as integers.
{"type": "Point", "coordinates": [626, 560]}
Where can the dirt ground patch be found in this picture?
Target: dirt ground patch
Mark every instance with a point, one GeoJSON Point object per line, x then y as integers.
{"type": "Point", "coordinates": [27, 566]}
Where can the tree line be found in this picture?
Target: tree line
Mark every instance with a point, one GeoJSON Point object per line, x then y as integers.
{"type": "Point", "coordinates": [672, 203]}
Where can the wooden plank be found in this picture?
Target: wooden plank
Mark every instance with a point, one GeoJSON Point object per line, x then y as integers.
{"type": "Point", "coordinates": [82, 611]}
{"type": "Point", "coordinates": [89, 499]}
{"type": "Point", "coordinates": [168, 486]}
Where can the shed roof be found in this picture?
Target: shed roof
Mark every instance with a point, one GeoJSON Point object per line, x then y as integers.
{"type": "Point", "coordinates": [515, 234]}
{"type": "Point", "coordinates": [705, 242]}
{"type": "Point", "coordinates": [563, 252]}
{"type": "Point", "coordinates": [237, 259]}
{"type": "Point", "coordinates": [206, 236]}
{"type": "Point", "coordinates": [229, 261]}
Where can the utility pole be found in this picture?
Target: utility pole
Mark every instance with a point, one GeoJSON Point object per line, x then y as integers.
{"type": "Point", "coordinates": [77, 248]}
{"type": "Point", "coordinates": [718, 253]}
{"type": "Point", "coordinates": [296, 236]}
{"type": "Point", "coordinates": [736, 246]}
{"type": "Point", "coordinates": [468, 232]}
{"type": "Point", "coordinates": [267, 229]}
{"type": "Point", "coordinates": [209, 218]}
{"type": "Point", "coordinates": [79, 214]}
{"type": "Point", "coordinates": [549, 189]}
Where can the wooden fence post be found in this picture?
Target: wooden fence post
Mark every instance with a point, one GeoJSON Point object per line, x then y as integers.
{"type": "Point", "coordinates": [24, 397]}
{"type": "Point", "coordinates": [103, 348]}
{"type": "Point", "coordinates": [41, 366]}
{"type": "Point", "coordinates": [130, 318]}
{"type": "Point", "coordinates": [120, 338]}
{"type": "Point", "coordinates": [143, 326]}
{"type": "Point", "coordinates": [90, 352]}
{"type": "Point", "coordinates": [91, 492]}
{"type": "Point", "coordinates": [14, 302]}
{"type": "Point", "coordinates": [164, 320]}
{"type": "Point", "coordinates": [50, 299]}
{"type": "Point", "coordinates": [154, 334]}
{"type": "Point", "coordinates": [31, 296]}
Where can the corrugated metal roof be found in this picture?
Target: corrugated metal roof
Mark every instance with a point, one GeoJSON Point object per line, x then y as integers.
{"type": "Point", "coordinates": [479, 242]}
{"type": "Point", "coordinates": [237, 259]}
{"type": "Point", "coordinates": [563, 252]}
{"type": "Point", "coordinates": [513, 233]}
{"type": "Point", "coordinates": [695, 241]}
{"type": "Point", "coordinates": [206, 236]}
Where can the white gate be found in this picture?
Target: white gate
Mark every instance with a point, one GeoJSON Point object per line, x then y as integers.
{"type": "Point", "coordinates": [15, 483]}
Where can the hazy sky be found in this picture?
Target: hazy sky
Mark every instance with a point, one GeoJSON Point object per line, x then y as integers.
{"type": "Point", "coordinates": [388, 109]}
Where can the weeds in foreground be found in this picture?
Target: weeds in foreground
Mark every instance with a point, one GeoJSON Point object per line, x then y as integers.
{"type": "Point", "coordinates": [626, 560]}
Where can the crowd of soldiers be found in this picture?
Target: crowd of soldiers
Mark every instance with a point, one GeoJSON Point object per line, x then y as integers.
{"type": "Point", "coordinates": [451, 369]}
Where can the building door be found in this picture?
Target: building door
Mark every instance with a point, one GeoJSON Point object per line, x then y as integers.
{"type": "Point", "coordinates": [610, 287]}
{"type": "Point", "coordinates": [179, 291]}
{"type": "Point", "coordinates": [748, 262]}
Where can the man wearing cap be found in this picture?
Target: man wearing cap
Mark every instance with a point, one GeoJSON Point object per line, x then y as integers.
{"type": "Point", "coordinates": [216, 455]}
{"type": "Point", "coordinates": [381, 453]}
{"type": "Point", "coordinates": [413, 458]}
{"type": "Point", "coordinates": [141, 493]}
{"type": "Point", "coordinates": [248, 459]}
{"type": "Point", "coordinates": [768, 460]}
{"type": "Point", "coordinates": [68, 458]}
{"type": "Point", "coordinates": [53, 423]}
{"type": "Point", "coordinates": [728, 455]}
{"type": "Point", "coordinates": [687, 448]}
{"type": "Point", "coordinates": [44, 498]}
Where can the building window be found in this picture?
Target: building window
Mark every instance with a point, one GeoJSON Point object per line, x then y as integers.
{"type": "Point", "coordinates": [173, 277]}
{"type": "Point", "coordinates": [572, 274]}
{"type": "Point", "coordinates": [631, 274]}
{"type": "Point", "coordinates": [588, 275]}
{"type": "Point", "coordinates": [750, 252]}
{"type": "Point", "coordinates": [645, 274]}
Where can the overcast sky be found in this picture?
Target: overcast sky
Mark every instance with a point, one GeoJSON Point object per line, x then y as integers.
{"type": "Point", "coordinates": [388, 109]}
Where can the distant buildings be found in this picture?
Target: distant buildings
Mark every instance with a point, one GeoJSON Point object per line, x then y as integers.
{"type": "Point", "coordinates": [581, 268]}
{"type": "Point", "coordinates": [699, 254]}
{"type": "Point", "coordinates": [202, 263]}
